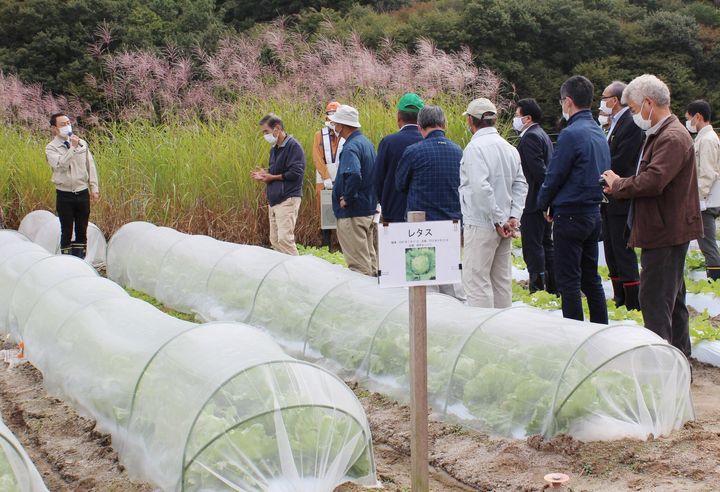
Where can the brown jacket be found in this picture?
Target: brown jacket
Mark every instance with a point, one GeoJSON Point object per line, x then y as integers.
{"type": "Point", "coordinates": [666, 204]}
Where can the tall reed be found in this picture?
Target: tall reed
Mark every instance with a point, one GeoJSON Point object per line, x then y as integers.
{"type": "Point", "coordinates": [189, 174]}
{"type": "Point", "coordinates": [178, 136]}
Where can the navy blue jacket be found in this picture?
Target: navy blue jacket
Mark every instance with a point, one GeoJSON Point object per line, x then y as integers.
{"type": "Point", "coordinates": [354, 181]}
{"type": "Point", "coordinates": [581, 155]}
{"type": "Point", "coordinates": [390, 150]}
{"type": "Point", "coordinates": [288, 160]}
{"type": "Point", "coordinates": [429, 172]}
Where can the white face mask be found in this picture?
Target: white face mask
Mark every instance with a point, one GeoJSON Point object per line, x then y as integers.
{"type": "Point", "coordinates": [517, 123]}
{"type": "Point", "coordinates": [644, 124]}
{"type": "Point", "coordinates": [604, 107]}
{"type": "Point", "coordinates": [270, 138]}
{"type": "Point", "coordinates": [335, 130]}
{"type": "Point", "coordinates": [691, 128]}
{"type": "Point", "coordinates": [65, 131]}
{"type": "Point", "coordinates": [564, 114]}
{"type": "Point", "coordinates": [603, 119]}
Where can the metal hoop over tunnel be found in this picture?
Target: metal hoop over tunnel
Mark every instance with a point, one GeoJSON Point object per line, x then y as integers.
{"type": "Point", "coordinates": [515, 372]}
{"type": "Point", "coordinates": [190, 407]}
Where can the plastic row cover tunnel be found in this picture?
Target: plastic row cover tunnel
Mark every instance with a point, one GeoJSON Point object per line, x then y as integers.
{"type": "Point", "coordinates": [190, 407]}
{"type": "Point", "coordinates": [43, 227]}
{"type": "Point", "coordinates": [17, 472]}
{"type": "Point", "coordinates": [513, 372]}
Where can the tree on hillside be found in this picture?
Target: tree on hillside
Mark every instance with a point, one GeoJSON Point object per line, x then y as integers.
{"type": "Point", "coordinates": [243, 14]}
{"type": "Point", "coordinates": [49, 43]}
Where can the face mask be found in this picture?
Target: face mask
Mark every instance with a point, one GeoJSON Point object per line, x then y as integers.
{"type": "Point", "coordinates": [604, 107]}
{"type": "Point", "coordinates": [517, 123]}
{"type": "Point", "coordinates": [691, 128]}
{"type": "Point", "coordinates": [66, 130]}
{"type": "Point", "coordinates": [270, 138]}
{"type": "Point", "coordinates": [603, 120]}
{"type": "Point", "coordinates": [644, 124]}
{"type": "Point", "coordinates": [335, 130]}
{"type": "Point", "coordinates": [565, 115]}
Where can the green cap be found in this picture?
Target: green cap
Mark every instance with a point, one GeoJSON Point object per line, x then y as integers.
{"type": "Point", "coordinates": [410, 102]}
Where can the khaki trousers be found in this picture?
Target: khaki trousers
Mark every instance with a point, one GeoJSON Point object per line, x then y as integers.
{"type": "Point", "coordinates": [357, 237]}
{"type": "Point", "coordinates": [282, 225]}
{"type": "Point", "coordinates": [487, 268]}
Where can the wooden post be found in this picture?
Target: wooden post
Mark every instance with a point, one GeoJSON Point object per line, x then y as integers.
{"type": "Point", "coordinates": [418, 382]}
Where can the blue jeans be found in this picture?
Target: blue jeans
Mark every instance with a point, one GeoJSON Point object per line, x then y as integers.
{"type": "Point", "coordinates": [576, 260]}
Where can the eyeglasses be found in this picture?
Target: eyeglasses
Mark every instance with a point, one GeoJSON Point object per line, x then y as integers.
{"type": "Point", "coordinates": [562, 100]}
{"type": "Point", "coordinates": [606, 97]}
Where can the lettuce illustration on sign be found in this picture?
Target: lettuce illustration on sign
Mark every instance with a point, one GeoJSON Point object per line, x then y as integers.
{"type": "Point", "coordinates": [419, 264]}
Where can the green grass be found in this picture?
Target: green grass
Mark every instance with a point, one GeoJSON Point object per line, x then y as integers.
{"type": "Point", "coordinates": [151, 300]}
{"type": "Point", "coordinates": [190, 175]}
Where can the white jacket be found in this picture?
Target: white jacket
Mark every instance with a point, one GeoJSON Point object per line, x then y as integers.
{"type": "Point", "coordinates": [707, 158]}
{"type": "Point", "coordinates": [492, 184]}
{"type": "Point", "coordinates": [73, 169]}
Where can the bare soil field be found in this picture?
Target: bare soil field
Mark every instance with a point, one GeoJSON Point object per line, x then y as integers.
{"type": "Point", "coordinates": [72, 456]}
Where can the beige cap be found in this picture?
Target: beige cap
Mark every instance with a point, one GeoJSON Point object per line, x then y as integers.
{"type": "Point", "coordinates": [479, 107]}
{"type": "Point", "coordinates": [346, 115]}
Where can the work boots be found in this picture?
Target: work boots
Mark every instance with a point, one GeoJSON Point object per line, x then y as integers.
{"type": "Point", "coordinates": [78, 249]}
{"type": "Point", "coordinates": [618, 291]}
{"type": "Point", "coordinates": [550, 284]}
{"type": "Point", "coordinates": [632, 291]}
{"type": "Point", "coordinates": [537, 282]}
{"type": "Point", "coordinates": [326, 238]}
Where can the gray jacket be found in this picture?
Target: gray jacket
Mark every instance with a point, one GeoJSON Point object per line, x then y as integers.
{"type": "Point", "coordinates": [73, 169]}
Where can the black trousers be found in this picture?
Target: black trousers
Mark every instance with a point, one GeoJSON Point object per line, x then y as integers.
{"type": "Point", "coordinates": [576, 245]}
{"type": "Point", "coordinates": [73, 209]}
{"type": "Point", "coordinates": [662, 294]}
{"type": "Point", "coordinates": [621, 260]}
{"type": "Point", "coordinates": [537, 243]}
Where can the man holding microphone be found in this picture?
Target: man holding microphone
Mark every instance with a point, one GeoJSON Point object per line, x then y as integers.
{"type": "Point", "coordinates": [76, 183]}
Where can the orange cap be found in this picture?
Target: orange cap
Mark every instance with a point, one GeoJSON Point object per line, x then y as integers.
{"type": "Point", "coordinates": [332, 106]}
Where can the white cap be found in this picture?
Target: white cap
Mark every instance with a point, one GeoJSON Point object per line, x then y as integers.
{"type": "Point", "coordinates": [479, 107]}
{"type": "Point", "coordinates": [346, 115]}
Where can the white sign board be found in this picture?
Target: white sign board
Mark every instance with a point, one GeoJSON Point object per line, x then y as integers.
{"type": "Point", "coordinates": [419, 253]}
{"type": "Point", "coordinates": [327, 216]}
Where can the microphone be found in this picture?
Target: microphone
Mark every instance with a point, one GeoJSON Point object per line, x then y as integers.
{"type": "Point", "coordinates": [80, 144]}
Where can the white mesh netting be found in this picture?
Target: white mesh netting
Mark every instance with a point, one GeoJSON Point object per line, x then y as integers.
{"type": "Point", "coordinates": [17, 472]}
{"type": "Point", "coordinates": [217, 406]}
{"type": "Point", "coordinates": [512, 372]}
{"type": "Point", "coordinates": [43, 228]}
